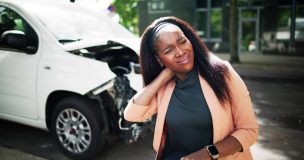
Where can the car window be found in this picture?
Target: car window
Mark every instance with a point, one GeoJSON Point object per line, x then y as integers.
{"type": "Point", "coordinates": [15, 33]}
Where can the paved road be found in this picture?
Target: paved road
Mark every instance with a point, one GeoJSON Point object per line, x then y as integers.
{"type": "Point", "coordinates": [279, 107]}
{"type": "Point", "coordinates": [280, 111]}
{"type": "Point", "coordinates": [24, 139]}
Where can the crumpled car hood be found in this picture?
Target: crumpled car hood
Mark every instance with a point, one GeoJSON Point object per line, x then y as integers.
{"type": "Point", "coordinates": [132, 43]}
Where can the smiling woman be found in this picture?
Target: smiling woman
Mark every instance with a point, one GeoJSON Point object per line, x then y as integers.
{"type": "Point", "coordinates": [203, 107]}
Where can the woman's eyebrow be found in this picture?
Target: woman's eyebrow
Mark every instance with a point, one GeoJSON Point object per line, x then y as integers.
{"type": "Point", "coordinates": [167, 47]}
{"type": "Point", "coordinates": [180, 38]}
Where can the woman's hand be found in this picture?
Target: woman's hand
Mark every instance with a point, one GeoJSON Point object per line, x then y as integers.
{"type": "Point", "coordinates": [145, 96]}
{"type": "Point", "coordinates": [228, 146]}
{"type": "Point", "coordinates": [201, 154]}
{"type": "Point", "coordinates": [166, 75]}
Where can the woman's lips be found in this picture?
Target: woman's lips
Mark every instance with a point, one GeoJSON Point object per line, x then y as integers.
{"type": "Point", "coordinates": [183, 60]}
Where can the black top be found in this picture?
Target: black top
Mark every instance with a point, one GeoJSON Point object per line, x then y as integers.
{"type": "Point", "coordinates": [188, 119]}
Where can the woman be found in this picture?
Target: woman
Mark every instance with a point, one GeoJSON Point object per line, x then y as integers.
{"type": "Point", "coordinates": [203, 103]}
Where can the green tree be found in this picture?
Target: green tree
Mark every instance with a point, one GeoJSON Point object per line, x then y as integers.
{"type": "Point", "coordinates": [128, 12]}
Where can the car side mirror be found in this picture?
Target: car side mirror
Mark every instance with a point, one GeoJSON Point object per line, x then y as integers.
{"type": "Point", "coordinates": [136, 68]}
{"type": "Point", "coordinates": [14, 39]}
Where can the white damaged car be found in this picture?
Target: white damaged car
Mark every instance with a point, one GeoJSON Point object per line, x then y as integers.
{"type": "Point", "coordinates": [68, 70]}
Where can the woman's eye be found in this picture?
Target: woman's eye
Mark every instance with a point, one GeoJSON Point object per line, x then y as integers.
{"type": "Point", "coordinates": [167, 51]}
{"type": "Point", "coordinates": [183, 41]}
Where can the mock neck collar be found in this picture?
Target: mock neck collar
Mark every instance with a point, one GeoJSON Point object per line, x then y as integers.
{"type": "Point", "coordinates": [190, 79]}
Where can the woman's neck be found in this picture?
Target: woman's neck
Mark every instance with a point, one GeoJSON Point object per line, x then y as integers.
{"type": "Point", "coordinates": [180, 76]}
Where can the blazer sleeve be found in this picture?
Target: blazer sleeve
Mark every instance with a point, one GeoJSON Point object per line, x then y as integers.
{"type": "Point", "coordinates": [139, 113]}
{"type": "Point", "coordinates": [246, 126]}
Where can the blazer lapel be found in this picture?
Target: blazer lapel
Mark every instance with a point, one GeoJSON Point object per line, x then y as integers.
{"type": "Point", "coordinates": [163, 106]}
{"type": "Point", "coordinates": [162, 110]}
{"type": "Point", "coordinates": [214, 107]}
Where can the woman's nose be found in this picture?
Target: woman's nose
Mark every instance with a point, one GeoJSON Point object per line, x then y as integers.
{"type": "Point", "coordinates": [178, 52]}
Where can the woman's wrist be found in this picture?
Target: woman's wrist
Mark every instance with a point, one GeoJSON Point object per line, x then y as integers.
{"type": "Point", "coordinates": [205, 154]}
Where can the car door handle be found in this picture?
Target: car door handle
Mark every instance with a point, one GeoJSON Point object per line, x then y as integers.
{"type": "Point", "coordinates": [47, 67]}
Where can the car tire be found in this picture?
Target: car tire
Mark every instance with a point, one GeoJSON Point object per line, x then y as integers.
{"type": "Point", "coordinates": [77, 127]}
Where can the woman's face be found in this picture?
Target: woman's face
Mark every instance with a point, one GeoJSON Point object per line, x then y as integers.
{"type": "Point", "coordinates": [174, 50]}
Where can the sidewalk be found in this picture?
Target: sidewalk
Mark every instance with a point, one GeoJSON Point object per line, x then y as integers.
{"type": "Point", "coordinates": [11, 154]}
{"type": "Point", "coordinates": [276, 141]}
{"type": "Point", "coordinates": [268, 67]}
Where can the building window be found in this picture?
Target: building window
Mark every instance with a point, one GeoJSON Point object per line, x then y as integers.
{"type": "Point", "coordinates": [209, 20]}
{"type": "Point", "coordinates": [216, 23]}
{"type": "Point", "coordinates": [201, 22]}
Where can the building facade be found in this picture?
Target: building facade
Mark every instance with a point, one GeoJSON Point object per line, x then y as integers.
{"type": "Point", "coordinates": [263, 26]}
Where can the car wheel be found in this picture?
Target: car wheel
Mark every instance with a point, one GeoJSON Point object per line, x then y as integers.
{"type": "Point", "coordinates": [77, 127]}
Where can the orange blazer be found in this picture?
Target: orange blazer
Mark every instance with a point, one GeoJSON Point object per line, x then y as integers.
{"type": "Point", "coordinates": [236, 118]}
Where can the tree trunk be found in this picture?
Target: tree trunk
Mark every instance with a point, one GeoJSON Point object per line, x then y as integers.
{"type": "Point", "coordinates": [291, 47]}
{"type": "Point", "coordinates": [234, 56]}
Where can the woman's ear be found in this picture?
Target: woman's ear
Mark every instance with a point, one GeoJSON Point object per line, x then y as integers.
{"type": "Point", "coordinates": [158, 60]}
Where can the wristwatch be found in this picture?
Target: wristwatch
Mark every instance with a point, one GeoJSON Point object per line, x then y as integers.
{"type": "Point", "coordinates": [213, 152]}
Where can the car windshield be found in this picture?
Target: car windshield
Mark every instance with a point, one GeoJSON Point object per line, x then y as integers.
{"type": "Point", "coordinates": [69, 24]}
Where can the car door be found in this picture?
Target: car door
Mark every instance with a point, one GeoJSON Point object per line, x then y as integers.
{"type": "Point", "coordinates": [18, 65]}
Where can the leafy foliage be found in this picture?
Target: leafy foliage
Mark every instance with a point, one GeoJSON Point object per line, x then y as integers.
{"type": "Point", "coordinates": [128, 12]}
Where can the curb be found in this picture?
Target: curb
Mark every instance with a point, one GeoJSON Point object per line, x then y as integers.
{"type": "Point", "coordinates": [271, 73]}
{"type": "Point", "coordinates": [268, 67]}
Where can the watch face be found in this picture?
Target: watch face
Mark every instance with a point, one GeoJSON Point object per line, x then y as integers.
{"type": "Point", "coordinates": [213, 150]}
